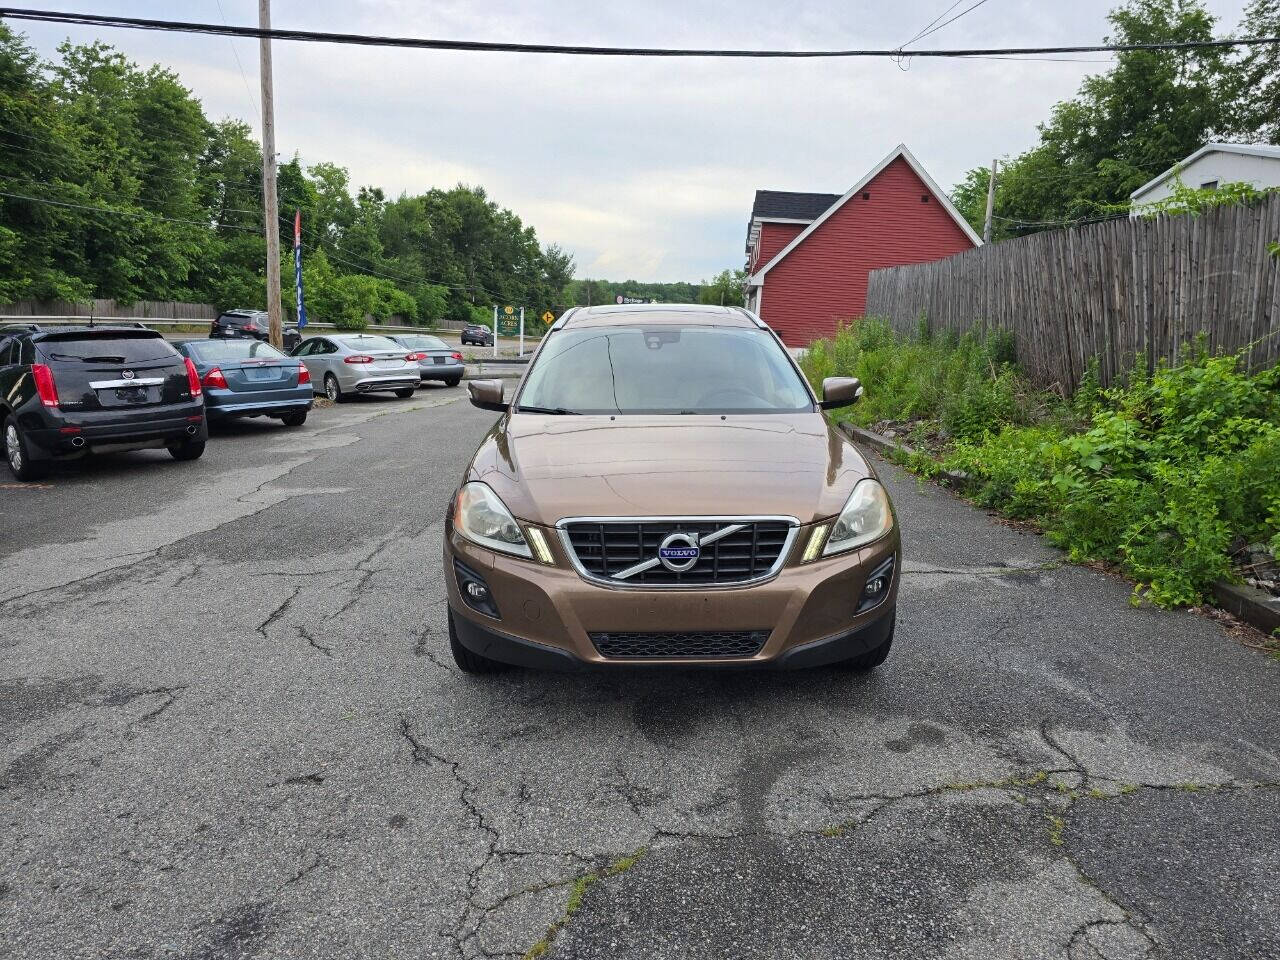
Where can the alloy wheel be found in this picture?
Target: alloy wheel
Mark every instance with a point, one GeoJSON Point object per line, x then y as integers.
{"type": "Point", "coordinates": [13, 447]}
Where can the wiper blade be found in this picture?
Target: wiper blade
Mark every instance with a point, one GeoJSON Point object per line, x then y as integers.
{"type": "Point", "coordinates": [557, 411]}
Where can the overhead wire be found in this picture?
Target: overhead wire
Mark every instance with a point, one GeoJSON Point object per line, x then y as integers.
{"type": "Point", "coordinates": [495, 46]}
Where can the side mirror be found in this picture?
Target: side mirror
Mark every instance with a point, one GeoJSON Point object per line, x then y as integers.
{"type": "Point", "coordinates": [840, 392]}
{"type": "Point", "coordinates": [487, 394]}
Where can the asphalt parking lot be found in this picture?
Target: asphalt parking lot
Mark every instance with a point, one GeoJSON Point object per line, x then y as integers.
{"type": "Point", "coordinates": [231, 728]}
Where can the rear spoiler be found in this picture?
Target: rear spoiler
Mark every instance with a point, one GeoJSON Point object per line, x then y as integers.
{"type": "Point", "coordinates": [86, 333]}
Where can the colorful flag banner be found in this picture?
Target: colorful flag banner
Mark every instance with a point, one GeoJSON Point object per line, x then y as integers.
{"type": "Point", "coordinates": [297, 267]}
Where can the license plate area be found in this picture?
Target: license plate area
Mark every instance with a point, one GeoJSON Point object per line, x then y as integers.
{"type": "Point", "coordinates": [442, 359]}
{"type": "Point", "coordinates": [259, 374]}
{"type": "Point", "coordinates": [132, 394]}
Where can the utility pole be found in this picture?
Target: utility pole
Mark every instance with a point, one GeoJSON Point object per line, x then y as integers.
{"type": "Point", "coordinates": [991, 203]}
{"type": "Point", "coordinates": [270, 205]}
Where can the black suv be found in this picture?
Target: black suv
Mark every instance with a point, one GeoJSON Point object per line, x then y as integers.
{"type": "Point", "coordinates": [255, 324]}
{"type": "Point", "coordinates": [478, 334]}
{"type": "Point", "coordinates": [70, 391]}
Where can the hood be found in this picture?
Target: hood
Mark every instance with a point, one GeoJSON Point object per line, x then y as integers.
{"type": "Point", "coordinates": [546, 468]}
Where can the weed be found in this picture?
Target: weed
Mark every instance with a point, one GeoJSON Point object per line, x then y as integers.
{"type": "Point", "coordinates": [1159, 474]}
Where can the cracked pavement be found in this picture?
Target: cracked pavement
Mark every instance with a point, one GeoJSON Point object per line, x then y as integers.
{"type": "Point", "coordinates": [231, 728]}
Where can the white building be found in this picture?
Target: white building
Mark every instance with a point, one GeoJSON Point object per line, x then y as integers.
{"type": "Point", "coordinates": [1212, 165]}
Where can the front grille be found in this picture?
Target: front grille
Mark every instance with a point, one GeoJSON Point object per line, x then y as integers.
{"type": "Point", "coordinates": [606, 548]}
{"type": "Point", "coordinates": [680, 646]}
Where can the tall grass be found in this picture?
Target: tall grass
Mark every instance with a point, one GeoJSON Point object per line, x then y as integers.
{"type": "Point", "coordinates": [1163, 475]}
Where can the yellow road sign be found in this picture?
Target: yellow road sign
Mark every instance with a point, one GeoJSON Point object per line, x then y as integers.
{"type": "Point", "coordinates": [548, 317]}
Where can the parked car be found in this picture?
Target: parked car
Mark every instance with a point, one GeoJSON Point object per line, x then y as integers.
{"type": "Point", "coordinates": [71, 391]}
{"type": "Point", "coordinates": [234, 324]}
{"type": "Point", "coordinates": [478, 334]}
{"type": "Point", "coordinates": [32, 327]}
{"type": "Point", "coordinates": [248, 378]}
{"type": "Point", "coordinates": [436, 359]}
{"type": "Point", "coordinates": [347, 363]}
{"type": "Point", "coordinates": [698, 509]}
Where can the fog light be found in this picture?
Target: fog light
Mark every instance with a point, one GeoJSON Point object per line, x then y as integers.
{"type": "Point", "coordinates": [877, 586]}
{"type": "Point", "coordinates": [475, 592]}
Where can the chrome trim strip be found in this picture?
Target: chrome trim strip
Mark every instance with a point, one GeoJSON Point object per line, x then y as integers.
{"type": "Point", "coordinates": [739, 522]}
{"type": "Point", "coordinates": [711, 537]}
{"type": "Point", "coordinates": [135, 382]}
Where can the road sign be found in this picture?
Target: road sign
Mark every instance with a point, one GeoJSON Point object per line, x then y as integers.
{"type": "Point", "coordinates": [548, 318]}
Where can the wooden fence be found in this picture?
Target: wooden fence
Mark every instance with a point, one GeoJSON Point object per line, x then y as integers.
{"type": "Point", "coordinates": [108, 309]}
{"type": "Point", "coordinates": [1114, 290]}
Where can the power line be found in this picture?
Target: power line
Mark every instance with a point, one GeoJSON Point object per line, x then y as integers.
{"type": "Point", "coordinates": [236, 53]}
{"type": "Point", "coordinates": [127, 213]}
{"type": "Point", "coordinates": [952, 20]}
{"type": "Point", "coordinates": [920, 33]}
{"type": "Point", "coordinates": [490, 46]}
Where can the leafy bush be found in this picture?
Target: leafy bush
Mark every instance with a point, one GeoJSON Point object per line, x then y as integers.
{"type": "Point", "coordinates": [969, 384]}
{"type": "Point", "coordinates": [1160, 475]}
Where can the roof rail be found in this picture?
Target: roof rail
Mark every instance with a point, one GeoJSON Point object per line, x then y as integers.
{"type": "Point", "coordinates": [752, 317]}
{"type": "Point", "coordinates": [563, 317]}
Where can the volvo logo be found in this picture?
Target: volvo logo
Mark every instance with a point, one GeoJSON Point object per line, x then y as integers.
{"type": "Point", "coordinates": [679, 551]}
{"type": "Point", "coordinates": [126, 374]}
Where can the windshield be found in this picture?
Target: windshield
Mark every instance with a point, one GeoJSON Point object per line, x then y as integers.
{"type": "Point", "coordinates": [218, 351]}
{"type": "Point", "coordinates": [663, 369]}
{"type": "Point", "coordinates": [367, 342]}
{"type": "Point", "coordinates": [424, 343]}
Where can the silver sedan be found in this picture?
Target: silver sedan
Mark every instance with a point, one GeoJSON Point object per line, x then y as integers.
{"type": "Point", "coordinates": [436, 359]}
{"type": "Point", "coordinates": [345, 363]}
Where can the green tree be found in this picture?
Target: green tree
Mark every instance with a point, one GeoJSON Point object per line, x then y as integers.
{"type": "Point", "coordinates": [726, 289]}
{"type": "Point", "coordinates": [1258, 77]}
{"type": "Point", "coordinates": [1152, 109]}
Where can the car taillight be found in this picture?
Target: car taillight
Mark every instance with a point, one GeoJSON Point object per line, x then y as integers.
{"type": "Point", "coordinates": [357, 358]}
{"type": "Point", "coordinates": [304, 375]}
{"type": "Point", "coordinates": [214, 378]}
{"type": "Point", "coordinates": [413, 356]}
{"type": "Point", "coordinates": [251, 327]}
{"type": "Point", "coordinates": [456, 355]}
{"type": "Point", "coordinates": [193, 378]}
{"type": "Point", "coordinates": [45, 387]}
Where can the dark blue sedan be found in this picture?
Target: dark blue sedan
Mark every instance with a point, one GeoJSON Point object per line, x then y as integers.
{"type": "Point", "coordinates": [249, 378]}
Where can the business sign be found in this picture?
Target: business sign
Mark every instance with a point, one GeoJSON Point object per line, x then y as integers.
{"type": "Point", "coordinates": [621, 299]}
{"type": "Point", "coordinates": [508, 321]}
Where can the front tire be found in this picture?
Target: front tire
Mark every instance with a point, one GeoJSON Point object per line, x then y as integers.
{"type": "Point", "coordinates": [187, 450]}
{"type": "Point", "coordinates": [294, 419]}
{"type": "Point", "coordinates": [332, 389]}
{"type": "Point", "coordinates": [467, 661]}
{"type": "Point", "coordinates": [406, 393]}
{"type": "Point", "coordinates": [18, 455]}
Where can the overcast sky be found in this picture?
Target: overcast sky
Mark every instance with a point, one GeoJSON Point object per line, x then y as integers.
{"type": "Point", "coordinates": [644, 169]}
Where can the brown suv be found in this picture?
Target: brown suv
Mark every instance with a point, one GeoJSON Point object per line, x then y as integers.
{"type": "Point", "coordinates": [664, 489]}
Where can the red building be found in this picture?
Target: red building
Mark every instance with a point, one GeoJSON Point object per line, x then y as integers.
{"type": "Point", "coordinates": [808, 254]}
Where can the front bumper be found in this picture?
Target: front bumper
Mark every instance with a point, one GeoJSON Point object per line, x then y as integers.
{"type": "Point", "coordinates": [547, 614]}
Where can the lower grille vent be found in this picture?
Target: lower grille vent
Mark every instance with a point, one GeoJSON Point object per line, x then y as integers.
{"type": "Point", "coordinates": [679, 646]}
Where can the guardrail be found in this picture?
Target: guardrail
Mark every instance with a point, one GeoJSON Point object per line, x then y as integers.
{"type": "Point", "coordinates": [173, 322]}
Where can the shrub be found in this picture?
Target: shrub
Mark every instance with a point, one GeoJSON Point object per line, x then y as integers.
{"type": "Point", "coordinates": [1160, 474]}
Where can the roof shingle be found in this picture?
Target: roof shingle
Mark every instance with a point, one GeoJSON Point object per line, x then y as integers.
{"type": "Point", "coordinates": [791, 206]}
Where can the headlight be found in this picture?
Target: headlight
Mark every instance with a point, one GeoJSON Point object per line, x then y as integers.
{"type": "Point", "coordinates": [865, 517]}
{"type": "Point", "coordinates": [482, 517]}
